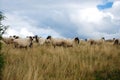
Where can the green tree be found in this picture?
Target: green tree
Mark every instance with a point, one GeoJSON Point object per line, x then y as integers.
{"type": "Point", "coordinates": [2, 27]}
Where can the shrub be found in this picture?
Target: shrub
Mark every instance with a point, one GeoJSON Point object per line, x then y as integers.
{"type": "Point", "coordinates": [2, 31]}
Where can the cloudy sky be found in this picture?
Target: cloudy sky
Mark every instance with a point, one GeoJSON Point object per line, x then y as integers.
{"type": "Point", "coordinates": [62, 18]}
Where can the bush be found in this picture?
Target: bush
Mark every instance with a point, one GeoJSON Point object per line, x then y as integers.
{"type": "Point", "coordinates": [2, 31]}
{"type": "Point", "coordinates": [1, 64]}
{"type": "Point", "coordinates": [1, 61]}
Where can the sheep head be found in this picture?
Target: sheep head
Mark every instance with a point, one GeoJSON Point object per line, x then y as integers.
{"type": "Point", "coordinates": [77, 40]}
{"type": "Point", "coordinates": [36, 38]}
{"type": "Point", "coordinates": [49, 37]}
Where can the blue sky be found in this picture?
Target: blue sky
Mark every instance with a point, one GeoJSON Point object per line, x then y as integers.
{"type": "Point", "coordinates": [105, 6]}
{"type": "Point", "coordinates": [63, 18]}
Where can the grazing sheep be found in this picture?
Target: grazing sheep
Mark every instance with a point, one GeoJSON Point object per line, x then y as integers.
{"type": "Point", "coordinates": [39, 40]}
{"type": "Point", "coordinates": [36, 39]}
{"type": "Point", "coordinates": [23, 42]}
{"type": "Point", "coordinates": [91, 41]}
{"type": "Point", "coordinates": [15, 37]}
{"type": "Point", "coordinates": [54, 41]}
{"type": "Point", "coordinates": [116, 42]}
{"type": "Point", "coordinates": [62, 42]}
{"type": "Point", "coordinates": [96, 42]}
{"type": "Point", "coordinates": [71, 42]}
{"type": "Point", "coordinates": [8, 40]}
{"type": "Point", "coordinates": [82, 41]}
{"type": "Point", "coordinates": [110, 40]}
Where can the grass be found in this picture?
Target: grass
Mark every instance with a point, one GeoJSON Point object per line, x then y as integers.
{"type": "Point", "coordinates": [84, 62]}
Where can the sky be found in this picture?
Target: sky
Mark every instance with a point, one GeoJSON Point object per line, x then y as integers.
{"type": "Point", "coordinates": [62, 18]}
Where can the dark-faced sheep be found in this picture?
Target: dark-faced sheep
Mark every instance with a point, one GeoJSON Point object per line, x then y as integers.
{"type": "Point", "coordinates": [116, 42]}
{"type": "Point", "coordinates": [96, 42]}
{"type": "Point", "coordinates": [23, 42]}
{"type": "Point", "coordinates": [110, 40]}
{"type": "Point", "coordinates": [62, 42]}
{"type": "Point", "coordinates": [54, 41]}
{"type": "Point", "coordinates": [8, 40]}
{"type": "Point", "coordinates": [71, 42]}
{"type": "Point", "coordinates": [38, 40]}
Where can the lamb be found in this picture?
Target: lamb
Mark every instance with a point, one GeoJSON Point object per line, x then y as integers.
{"type": "Point", "coordinates": [23, 42]}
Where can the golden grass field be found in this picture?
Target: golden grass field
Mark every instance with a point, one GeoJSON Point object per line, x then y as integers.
{"type": "Point", "coordinates": [84, 62]}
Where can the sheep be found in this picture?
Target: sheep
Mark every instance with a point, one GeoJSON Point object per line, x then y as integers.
{"type": "Point", "coordinates": [96, 42]}
{"type": "Point", "coordinates": [110, 40]}
{"type": "Point", "coordinates": [15, 37]}
{"type": "Point", "coordinates": [38, 40]}
{"type": "Point", "coordinates": [23, 42]}
{"type": "Point", "coordinates": [82, 41]}
{"type": "Point", "coordinates": [8, 40]}
{"type": "Point", "coordinates": [71, 42]}
{"type": "Point", "coordinates": [116, 42]}
{"type": "Point", "coordinates": [62, 42]}
{"type": "Point", "coordinates": [41, 41]}
{"type": "Point", "coordinates": [54, 41]}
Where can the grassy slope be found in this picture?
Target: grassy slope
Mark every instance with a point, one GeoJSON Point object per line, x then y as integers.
{"type": "Point", "coordinates": [83, 62]}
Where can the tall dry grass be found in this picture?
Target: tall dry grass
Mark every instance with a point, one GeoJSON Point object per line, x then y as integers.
{"type": "Point", "coordinates": [84, 62]}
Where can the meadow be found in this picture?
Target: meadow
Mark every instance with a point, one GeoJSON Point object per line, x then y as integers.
{"type": "Point", "coordinates": [82, 62]}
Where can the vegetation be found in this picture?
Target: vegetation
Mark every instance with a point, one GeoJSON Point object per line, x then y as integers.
{"type": "Point", "coordinates": [2, 27]}
{"type": "Point", "coordinates": [84, 62]}
{"type": "Point", "coordinates": [2, 30]}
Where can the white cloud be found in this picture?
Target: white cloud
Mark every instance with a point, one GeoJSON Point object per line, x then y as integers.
{"type": "Point", "coordinates": [24, 26]}
{"type": "Point", "coordinates": [115, 10]}
{"type": "Point", "coordinates": [89, 15]}
{"type": "Point", "coordinates": [65, 16]}
{"type": "Point", "coordinates": [95, 24]}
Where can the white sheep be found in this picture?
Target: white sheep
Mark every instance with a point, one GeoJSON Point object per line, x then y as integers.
{"type": "Point", "coordinates": [38, 40]}
{"type": "Point", "coordinates": [41, 41]}
{"type": "Point", "coordinates": [62, 42]}
{"type": "Point", "coordinates": [8, 40]}
{"type": "Point", "coordinates": [71, 42]}
{"type": "Point", "coordinates": [23, 42]}
{"type": "Point", "coordinates": [98, 42]}
{"type": "Point", "coordinates": [54, 41]}
{"type": "Point", "coordinates": [110, 40]}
